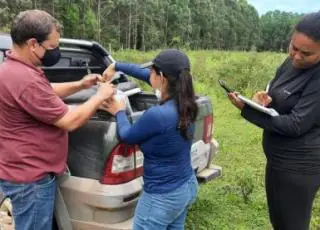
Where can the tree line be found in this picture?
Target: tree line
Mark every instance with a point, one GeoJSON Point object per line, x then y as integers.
{"type": "Point", "coordinates": [153, 24]}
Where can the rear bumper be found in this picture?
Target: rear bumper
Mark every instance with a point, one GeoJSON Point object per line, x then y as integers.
{"type": "Point", "coordinates": [211, 171]}
{"type": "Point", "coordinates": [125, 225]}
{"type": "Point", "coordinates": [92, 205]}
{"type": "Point", "coordinates": [214, 146]}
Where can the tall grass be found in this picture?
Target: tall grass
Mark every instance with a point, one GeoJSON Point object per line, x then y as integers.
{"type": "Point", "coordinates": [237, 199]}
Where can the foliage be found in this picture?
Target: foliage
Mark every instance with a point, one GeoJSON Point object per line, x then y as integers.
{"type": "Point", "coordinates": [154, 24]}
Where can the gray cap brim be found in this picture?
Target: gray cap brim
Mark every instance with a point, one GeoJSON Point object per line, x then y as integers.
{"type": "Point", "coordinates": [146, 65]}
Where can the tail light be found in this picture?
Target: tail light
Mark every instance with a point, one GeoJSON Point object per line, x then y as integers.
{"type": "Point", "coordinates": [124, 164]}
{"type": "Point", "coordinates": [207, 128]}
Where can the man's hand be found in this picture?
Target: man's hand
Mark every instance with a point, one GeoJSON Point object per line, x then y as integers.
{"type": "Point", "coordinates": [262, 98]}
{"type": "Point", "coordinates": [105, 90]}
{"type": "Point", "coordinates": [113, 106]}
{"type": "Point", "coordinates": [66, 89]}
{"type": "Point", "coordinates": [90, 80]}
{"type": "Point", "coordinates": [235, 100]}
{"type": "Point", "coordinates": [109, 72]}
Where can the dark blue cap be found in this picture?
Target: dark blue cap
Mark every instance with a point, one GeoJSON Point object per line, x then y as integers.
{"type": "Point", "coordinates": [170, 62]}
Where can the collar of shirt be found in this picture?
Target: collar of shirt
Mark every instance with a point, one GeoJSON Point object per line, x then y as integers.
{"type": "Point", "coordinates": [12, 57]}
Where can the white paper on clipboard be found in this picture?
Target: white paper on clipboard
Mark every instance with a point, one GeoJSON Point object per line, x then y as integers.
{"type": "Point", "coordinates": [270, 111]}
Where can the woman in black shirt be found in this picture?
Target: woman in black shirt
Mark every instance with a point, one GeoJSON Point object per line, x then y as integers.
{"type": "Point", "coordinates": [291, 141]}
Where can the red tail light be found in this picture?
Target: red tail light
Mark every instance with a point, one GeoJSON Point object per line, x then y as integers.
{"type": "Point", "coordinates": [207, 128]}
{"type": "Point", "coordinates": [124, 164]}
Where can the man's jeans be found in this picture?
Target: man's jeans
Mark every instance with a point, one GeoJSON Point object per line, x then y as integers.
{"type": "Point", "coordinates": [165, 211]}
{"type": "Point", "coordinates": [32, 203]}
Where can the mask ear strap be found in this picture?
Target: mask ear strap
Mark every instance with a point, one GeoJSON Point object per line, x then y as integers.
{"type": "Point", "coordinates": [43, 47]}
{"type": "Point", "coordinates": [161, 75]}
{"type": "Point", "coordinates": [35, 53]}
{"type": "Point", "coordinates": [161, 80]}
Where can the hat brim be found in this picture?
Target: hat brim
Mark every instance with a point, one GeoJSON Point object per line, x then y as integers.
{"type": "Point", "coordinates": [146, 65]}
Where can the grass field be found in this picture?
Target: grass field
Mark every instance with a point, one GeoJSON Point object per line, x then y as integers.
{"type": "Point", "coordinates": [237, 199]}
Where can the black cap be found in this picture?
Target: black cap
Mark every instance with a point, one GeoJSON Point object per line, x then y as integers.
{"type": "Point", "coordinates": [170, 62]}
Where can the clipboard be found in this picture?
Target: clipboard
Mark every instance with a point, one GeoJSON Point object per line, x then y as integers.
{"type": "Point", "coordinates": [270, 111]}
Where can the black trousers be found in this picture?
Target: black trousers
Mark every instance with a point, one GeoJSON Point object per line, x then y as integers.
{"type": "Point", "coordinates": [290, 197]}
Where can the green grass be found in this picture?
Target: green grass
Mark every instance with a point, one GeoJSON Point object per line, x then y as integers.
{"type": "Point", "coordinates": [221, 203]}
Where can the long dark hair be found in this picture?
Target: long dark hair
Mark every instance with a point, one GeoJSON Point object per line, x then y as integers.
{"type": "Point", "coordinates": [180, 88]}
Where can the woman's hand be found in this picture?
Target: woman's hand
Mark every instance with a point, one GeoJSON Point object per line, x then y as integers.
{"type": "Point", "coordinates": [109, 72]}
{"type": "Point", "coordinates": [235, 100]}
{"type": "Point", "coordinates": [262, 98]}
{"type": "Point", "coordinates": [113, 106]}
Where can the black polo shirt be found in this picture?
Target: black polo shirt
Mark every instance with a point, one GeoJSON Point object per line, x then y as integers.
{"type": "Point", "coordinates": [291, 141]}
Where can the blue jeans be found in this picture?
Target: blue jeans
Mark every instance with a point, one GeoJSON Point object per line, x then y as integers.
{"type": "Point", "coordinates": [32, 203]}
{"type": "Point", "coordinates": [166, 211]}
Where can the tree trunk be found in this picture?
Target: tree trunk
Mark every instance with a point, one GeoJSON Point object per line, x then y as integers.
{"type": "Point", "coordinates": [119, 26]}
{"type": "Point", "coordinates": [53, 8]}
{"type": "Point", "coordinates": [136, 26]}
{"type": "Point", "coordinates": [99, 21]}
{"type": "Point", "coordinates": [34, 4]}
{"type": "Point", "coordinates": [143, 31]}
{"type": "Point", "coordinates": [166, 28]}
{"type": "Point", "coordinates": [129, 29]}
{"type": "Point", "coordinates": [189, 24]}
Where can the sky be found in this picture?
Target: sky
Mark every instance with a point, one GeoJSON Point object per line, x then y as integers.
{"type": "Point", "coordinates": [299, 6]}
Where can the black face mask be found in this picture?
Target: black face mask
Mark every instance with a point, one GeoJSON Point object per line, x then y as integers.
{"type": "Point", "coordinates": [50, 57]}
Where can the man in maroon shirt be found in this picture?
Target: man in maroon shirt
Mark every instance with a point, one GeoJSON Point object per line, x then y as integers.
{"type": "Point", "coordinates": [34, 121]}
